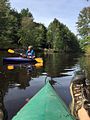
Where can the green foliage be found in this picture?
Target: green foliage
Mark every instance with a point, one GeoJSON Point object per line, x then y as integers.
{"type": "Point", "coordinates": [60, 38]}
{"type": "Point", "coordinates": [31, 33]}
{"type": "Point", "coordinates": [26, 31]}
{"type": "Point", "coordinates": [51, 33]}
{"type": "Point", "coordinates": [4, 20]}
{"type": "Point", "coordinates": [85, 43]}
{"type": "Point", "coordinates": [26, 13]}
{"type": "Point", "coordinates": [40, 35]}
{"type": "Point", "coordinates": [83, 24]}
{"type": "Point", "coordinates": [21, 30]}
{"type": "Point", "coordinates": [84, 62]}
{"type": "Point", "coordinates": [14, 25]}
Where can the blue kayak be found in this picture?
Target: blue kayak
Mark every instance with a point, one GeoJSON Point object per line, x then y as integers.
{"type": "Point", "coordinates": [18, 60]}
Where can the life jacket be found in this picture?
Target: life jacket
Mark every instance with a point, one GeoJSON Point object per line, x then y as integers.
{"type": "Point", "coordinates": [30, 53]}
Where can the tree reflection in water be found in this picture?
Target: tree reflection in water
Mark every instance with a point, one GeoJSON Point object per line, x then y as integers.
{"type": "Point", "coordinates": [3, 89]}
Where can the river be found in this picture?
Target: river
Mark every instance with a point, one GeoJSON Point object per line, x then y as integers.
{"type": "Point", "coordinates": [20, 82]}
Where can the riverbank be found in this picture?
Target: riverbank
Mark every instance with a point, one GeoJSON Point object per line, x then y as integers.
{"type": "Point", "coordinates": [87, 50]}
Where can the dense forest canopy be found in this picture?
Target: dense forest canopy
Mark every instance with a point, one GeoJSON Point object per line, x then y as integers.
{"type": "Point", "coordinates": [83, 27]}
{"type": "Point", "coordinates": [61, 38]}
{"type": "Point", "coordinates": [83, 24]}
{"type": "Point", "coordinates": [20, 29]}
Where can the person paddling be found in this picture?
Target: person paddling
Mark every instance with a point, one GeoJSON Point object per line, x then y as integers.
{"type": "Point", "coordinates": [30, 53]}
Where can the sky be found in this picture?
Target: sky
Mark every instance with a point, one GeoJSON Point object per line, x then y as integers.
{"type": "Point", "coordinates": [44, 11]}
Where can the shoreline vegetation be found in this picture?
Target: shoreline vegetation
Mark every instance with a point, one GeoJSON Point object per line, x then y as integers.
{"type": "Point", "coordinates": [19, 30]}
{"type": "Point", "coordinates": [50, 51]}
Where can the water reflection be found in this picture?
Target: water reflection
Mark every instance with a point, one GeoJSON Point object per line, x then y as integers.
{"type": "Point", "coordinates": [19, 75]}
{"type": "Point", "coordinates": [56, 64]}
{"type": "Point", "coordinates": [3, 90]}
{"type": "Point", "coordinates": [23, 81]}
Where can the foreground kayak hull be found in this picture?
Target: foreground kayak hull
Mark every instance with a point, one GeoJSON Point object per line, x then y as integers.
{"type": "Point", "coordinates": [18, 60]}
{"type": "Point", "coordinates": [45, 105]}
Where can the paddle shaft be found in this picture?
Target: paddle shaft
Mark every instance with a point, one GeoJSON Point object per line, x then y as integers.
{"type": "Point", "coordinates": [23, 55]}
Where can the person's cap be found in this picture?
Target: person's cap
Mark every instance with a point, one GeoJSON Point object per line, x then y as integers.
{"type": "Point", "coordinates": [30, 46]}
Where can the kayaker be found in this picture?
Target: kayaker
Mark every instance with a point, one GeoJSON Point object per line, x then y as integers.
{"type": "Point", "coordinates": [30, 53]}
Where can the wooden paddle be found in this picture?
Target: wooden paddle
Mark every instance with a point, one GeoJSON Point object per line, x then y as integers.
{"type": "Point", "coordinates": [39, 60]}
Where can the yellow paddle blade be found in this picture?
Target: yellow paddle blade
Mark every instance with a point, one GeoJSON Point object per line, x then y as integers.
{"type": "Point", "coordinates": [40, 60]}
{"type": "Point", "coordinates": [38, 65]}
{"type": "Point", "coordinates": [11, 51]}
{"type": "Point", "coordinates": [10, 67]}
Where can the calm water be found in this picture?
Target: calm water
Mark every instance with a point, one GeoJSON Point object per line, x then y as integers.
{"type": "Point", "coordinates": [20, 82]}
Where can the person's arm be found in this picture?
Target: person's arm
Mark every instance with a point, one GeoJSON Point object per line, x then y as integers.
{"type": "Point", "coordinates": [82, 114]}
{"type": "Point", "coordinates": [32, 53]}
{"type": "Point", "coordinates": [26, 53]}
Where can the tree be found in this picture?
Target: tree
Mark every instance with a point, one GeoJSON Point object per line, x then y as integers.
{"type": "Point", "coordinates": [31, 33]}
{"type": "Point", "coordinates": [53, 34]}
{"type": "Point", "coordinates": [15, 24]}
{"type": "Point", "coordinates": [83, 24]}
{"type": "Point", "coordinates": [40, 35]}
{"type": "Point", "coordinates": [4, 23]}
{"type": "Point", "coordinates": [26, 30]}
{"type": "Point", "coordinates": [26, 13]}
{"type": "Point", "coordinates": [60, 38]}
{"type": "Point", "coordinates": [84, 42]}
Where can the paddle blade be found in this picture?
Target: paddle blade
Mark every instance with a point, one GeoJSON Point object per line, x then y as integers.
{"type": "Point", "coordinates": [38, 65]}
{"type": "Point", "coordinates": [11, 51]}
{"type": "Point", "coordinates": [10, 67]}
{"type": "Point", "coordinates": [40, 60]}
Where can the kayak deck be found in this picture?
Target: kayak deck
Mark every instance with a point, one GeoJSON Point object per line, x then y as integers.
{"type": "Point", "coordinates": [45, 105]}
{"type": "Point", "coordinates": [18, 60]}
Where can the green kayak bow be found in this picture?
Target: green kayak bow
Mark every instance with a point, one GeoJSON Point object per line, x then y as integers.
{"type": "Point", "coordinates": [45, 105]}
